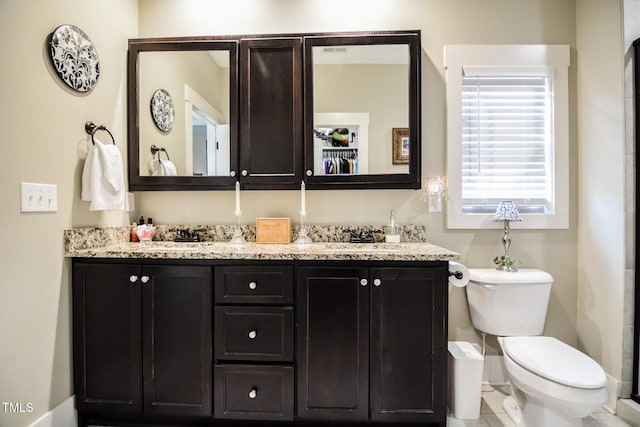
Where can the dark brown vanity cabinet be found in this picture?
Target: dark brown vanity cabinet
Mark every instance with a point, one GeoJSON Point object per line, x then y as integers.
{"type": "Point", "coordinates": [371, 344]}
{"type": "Point", "coordinates": [296, 342]}
{"type": "Point", "coordinates": [271, 113]}
{"type": "Point", "coordinates": [254, 351]}
{"type": "Point", "coordinates": [142, 339]}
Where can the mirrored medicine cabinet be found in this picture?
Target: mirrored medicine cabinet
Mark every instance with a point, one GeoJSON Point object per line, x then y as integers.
{"type": "Point", "coordinates": [337, 110]}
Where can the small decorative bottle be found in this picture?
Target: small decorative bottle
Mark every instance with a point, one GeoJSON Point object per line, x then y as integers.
{"type": "Point", "coordinates": [392, 236]}
{"type": "Point", "coordinates": [134, 234]}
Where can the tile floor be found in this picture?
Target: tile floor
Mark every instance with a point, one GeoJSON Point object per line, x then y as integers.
{"type": "Point", "coordinates": [492, 413]}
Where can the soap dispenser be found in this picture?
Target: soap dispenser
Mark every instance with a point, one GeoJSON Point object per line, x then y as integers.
{"type": "Point", "coordinates": [392, 236]}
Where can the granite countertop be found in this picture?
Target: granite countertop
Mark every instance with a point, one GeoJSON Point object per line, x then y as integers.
{"type": "Point", "coordinates": [408, 251]}
{"type": "Point", "coordinates": [329, 244]}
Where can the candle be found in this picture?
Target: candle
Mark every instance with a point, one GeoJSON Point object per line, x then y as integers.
{"type": "Point", "coordinates": [303, 207]}
{"type": "Point", "coordinates": [237, 197]}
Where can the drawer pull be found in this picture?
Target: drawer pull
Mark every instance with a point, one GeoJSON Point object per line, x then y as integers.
{"type": "Point", "coordinates": [133, 278]}
{"type": "Point", "coordinates": [363, 282]}
{"type": "Point", "coordinates": [377, 282]}
{"type": "Point", "coordinates": [253, 393]}
{"type": "Point", "coordinates": [253, 333]}
{"type": "Point", "coordinates": [144, 279]}
{"type": "Point", "coordinates": [253, 285]}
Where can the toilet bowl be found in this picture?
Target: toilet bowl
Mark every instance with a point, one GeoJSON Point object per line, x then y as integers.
{"type": "Point", "coordinates": [552, 383]}
{"type": "Point", "coordinates": [556, 384]}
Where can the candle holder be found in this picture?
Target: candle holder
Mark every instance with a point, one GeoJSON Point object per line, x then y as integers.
{"type": "Point", "coordinates": [303, 237]}
{"type": "Point", "coordinates": [237, 238]}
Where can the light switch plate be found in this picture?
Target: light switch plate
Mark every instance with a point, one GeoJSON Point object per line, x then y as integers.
{"type": "Point", "coordinates": [130, 202]}
{"type": "Point", "coordinates": [38, 197]}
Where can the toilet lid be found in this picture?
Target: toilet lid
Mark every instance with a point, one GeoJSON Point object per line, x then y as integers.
{"type": "Point", "coordinates": [555, 361]}
{"type": "Point", "coordinates": [491, 276]}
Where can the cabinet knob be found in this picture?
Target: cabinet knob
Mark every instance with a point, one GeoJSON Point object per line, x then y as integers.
{"type": "Point", "coordinates": [133, 278]}
{"type": "Point", "coordinates": [309, 172]}
{"type": "Point", "coordinates": [377, 282]}
{"type": "Point", "coordinates": [144, 279]}
{"type": "Point", "coordinates": [253, 333]}
{"type": "Point", "coordinates": [244, 172]}
{"type": "Point", "coordinates": [253, 393]}
{"type": "Point", "coordinates": [232, 173]}
{"type": "Point", "coordinates": [253, 285]}
{"type": "Point", "coordinates": [363, 282]}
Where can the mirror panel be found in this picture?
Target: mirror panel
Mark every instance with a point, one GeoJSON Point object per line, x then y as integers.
{"type": "Point", "coordinates": [200, 148]}
{"type": "Point", "coordinates": [362, 118]}
{"type": "Point", "coordinates": [363, 92]}
{"type": "Point", "coordinates": [198, 82]}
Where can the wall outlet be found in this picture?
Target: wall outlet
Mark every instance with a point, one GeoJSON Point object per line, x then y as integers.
{"type": "Point", "coordinates": [38, 197]}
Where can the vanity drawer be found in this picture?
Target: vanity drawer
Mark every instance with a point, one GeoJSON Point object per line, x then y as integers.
{"type": "Point", "coordinates": [254, 333]}
{"type": "Point", "coordinates": [254, 284]}
{"type": "Point", "coordinates": [250, 391]}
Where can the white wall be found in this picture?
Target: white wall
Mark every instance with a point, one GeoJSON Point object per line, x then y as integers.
{"type": "Point", "coordinates": [41, 129]}
{"type": "Point", "coordinates": [601, 225]}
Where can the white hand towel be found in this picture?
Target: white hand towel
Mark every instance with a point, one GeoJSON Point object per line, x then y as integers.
{"type": "Point", "coordinates": [169, 168]}
{"type": "Point", "coordinates": [103, 178]}
{"type": "Point", "coordinates": [86, 173]}
{"type": "Point", "coordinates": [155, 167]}
{"type": "Point", "coordinates": [112, 168]}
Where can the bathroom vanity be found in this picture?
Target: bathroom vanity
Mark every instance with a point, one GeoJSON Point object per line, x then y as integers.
{"type": "Point", "coordinates": [212, 333]}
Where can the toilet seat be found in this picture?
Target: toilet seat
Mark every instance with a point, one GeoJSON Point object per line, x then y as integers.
{"type": "Point", "coordinates": [556, 361]}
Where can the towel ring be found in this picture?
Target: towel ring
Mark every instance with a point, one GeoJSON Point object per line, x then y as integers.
{"type": "Point", "coordinates": [91, 129]}
{"type": "Point", "coordinates": [155, 150]}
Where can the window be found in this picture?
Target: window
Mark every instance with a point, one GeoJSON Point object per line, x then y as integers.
{"type": "Point", "coordinates": [507, 134]}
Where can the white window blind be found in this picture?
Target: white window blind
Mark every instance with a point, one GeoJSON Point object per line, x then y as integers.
{"type": "Point", "coordinates": [506, 142]}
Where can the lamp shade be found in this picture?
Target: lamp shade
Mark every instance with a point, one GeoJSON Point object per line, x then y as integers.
{"type": "Point", "coordinates": [507, 211]}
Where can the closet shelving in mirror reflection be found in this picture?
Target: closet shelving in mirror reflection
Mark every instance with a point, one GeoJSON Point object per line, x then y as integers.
{"type": "Point", "coordinates": [232, 122]}
{"type": "Point", "coordinates": [337, 151]}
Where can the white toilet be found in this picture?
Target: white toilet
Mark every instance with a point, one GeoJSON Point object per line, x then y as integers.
{"type": "Point", "coordinates": [552, 383]}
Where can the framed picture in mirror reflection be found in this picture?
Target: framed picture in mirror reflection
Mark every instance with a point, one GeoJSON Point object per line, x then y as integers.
{"type": "Point", "coordinates": [400, 143]}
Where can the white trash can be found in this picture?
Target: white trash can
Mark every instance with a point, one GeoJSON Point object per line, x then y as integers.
{"type": "Point", "coordinates": [465, 380]}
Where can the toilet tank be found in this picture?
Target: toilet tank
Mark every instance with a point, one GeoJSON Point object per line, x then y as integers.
{"type": "Point", "coordinates": [508, 303]}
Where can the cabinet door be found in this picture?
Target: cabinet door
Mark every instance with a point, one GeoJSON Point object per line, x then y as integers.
{"type": "Point", "coordinates": [106, 337]}
{"type": "Point", "coordinates": [408, 344]}
{"type": "Point", "coordinates": [177, 338]}
{"type": "Point", "coordinates": [332, 343]}
{"type": "Point", "coordinates": [271, 113]}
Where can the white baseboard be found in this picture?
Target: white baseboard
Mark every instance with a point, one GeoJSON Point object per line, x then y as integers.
{"type": "Point", "coordinates": [63, 415]}
{"type": "Point", "coordinates": [614, 388]}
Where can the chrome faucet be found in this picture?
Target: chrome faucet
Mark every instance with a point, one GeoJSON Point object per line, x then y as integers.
{"type": "Point", "coordinates": [186, 235]}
